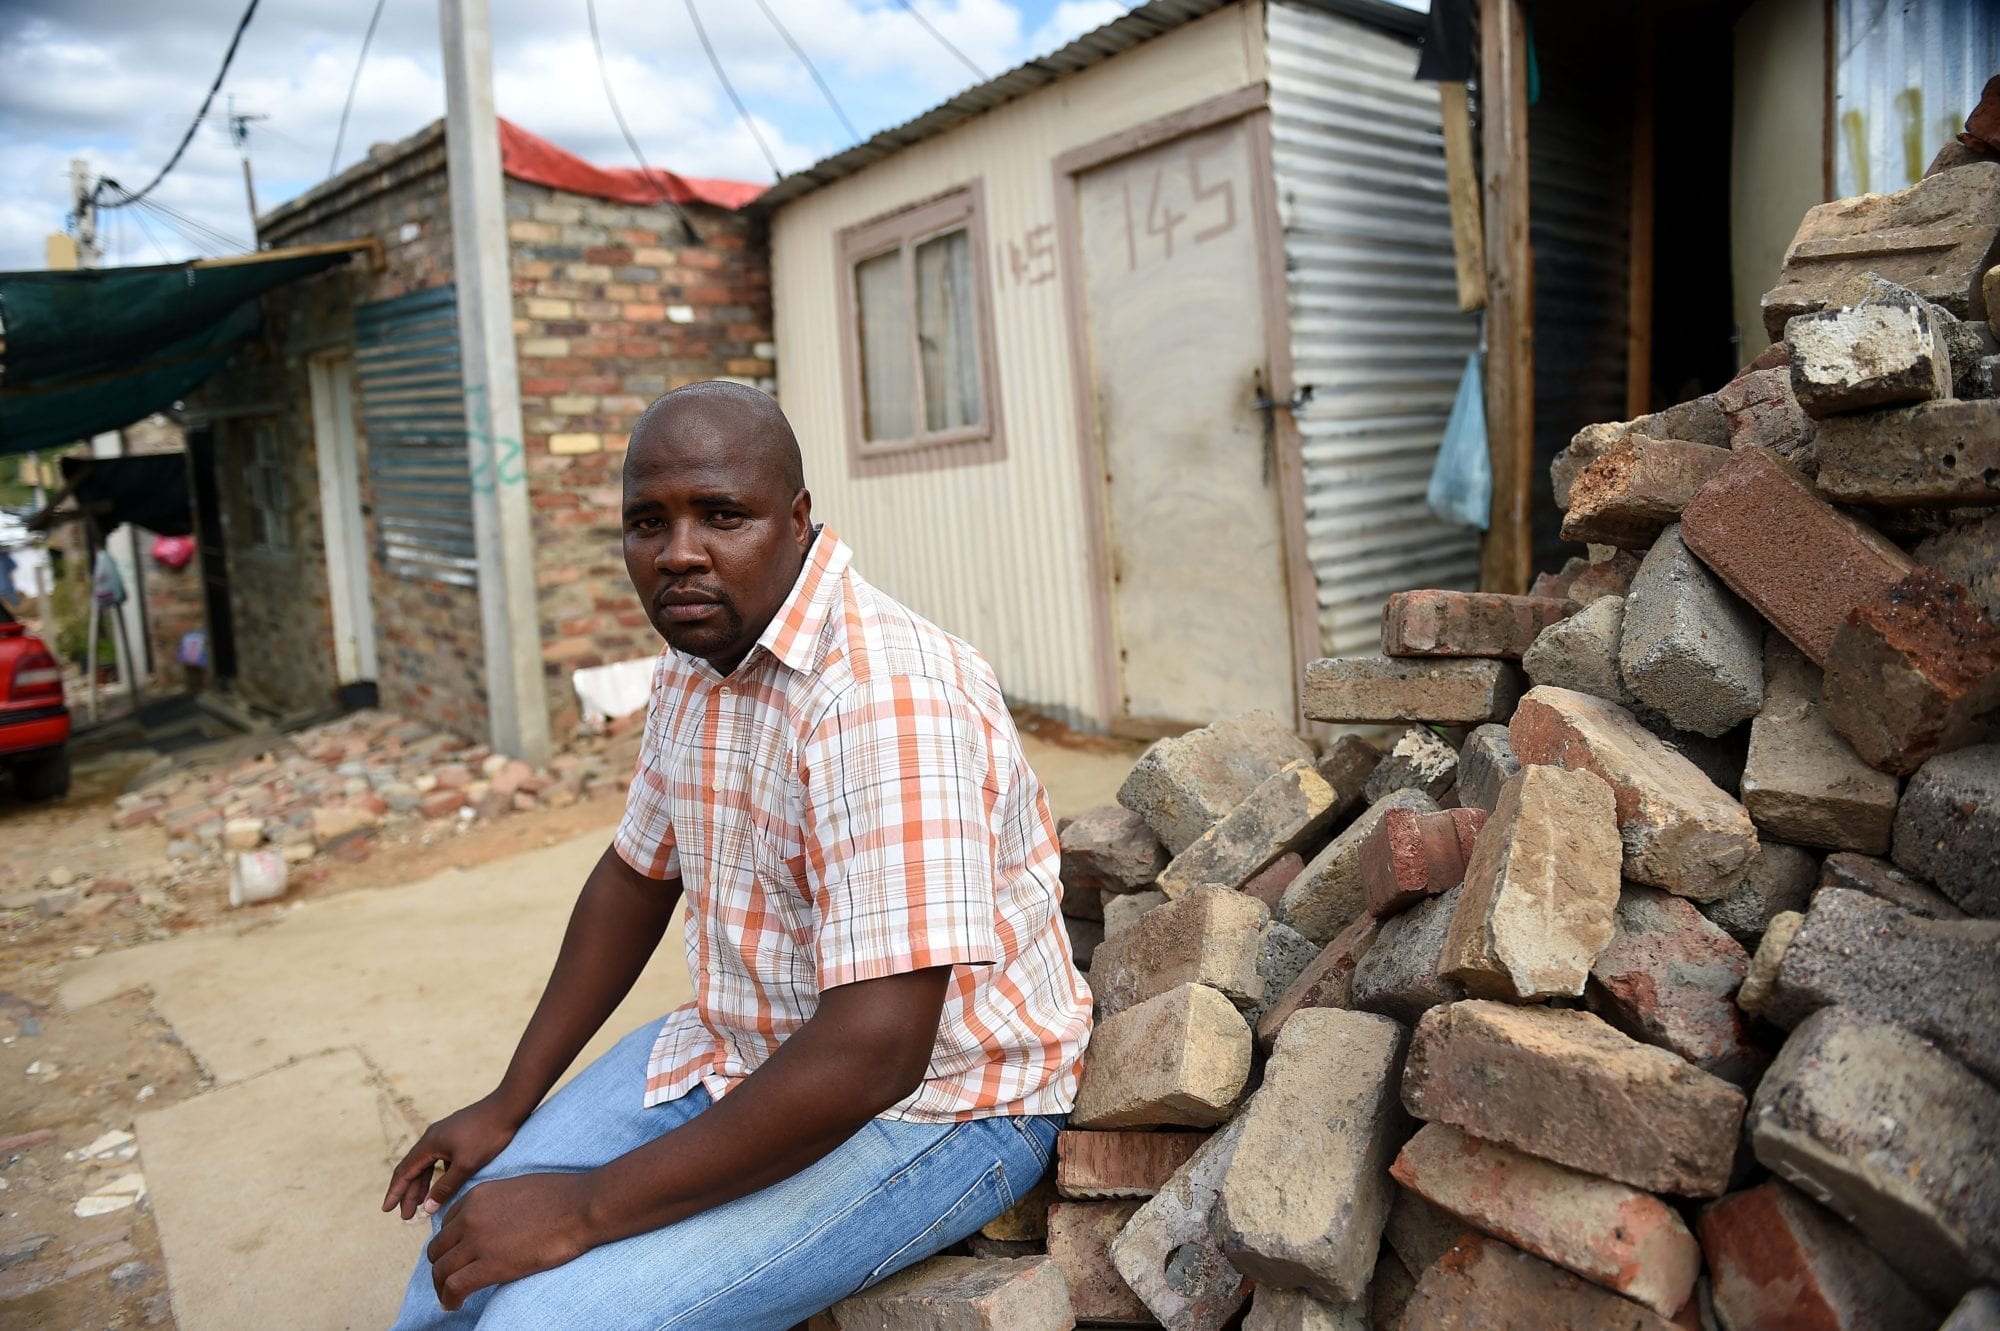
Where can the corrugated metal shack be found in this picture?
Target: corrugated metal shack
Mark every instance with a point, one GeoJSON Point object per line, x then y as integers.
{"type": "Point", "coordinates": [1102, 464]}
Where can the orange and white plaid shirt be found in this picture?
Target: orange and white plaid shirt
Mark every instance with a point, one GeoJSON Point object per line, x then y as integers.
{"type": "Point", "coordinates": [852, 802]}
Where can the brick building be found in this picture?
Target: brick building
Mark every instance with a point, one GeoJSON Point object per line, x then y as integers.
{"type": "Point", "coordinates": [335, 458]}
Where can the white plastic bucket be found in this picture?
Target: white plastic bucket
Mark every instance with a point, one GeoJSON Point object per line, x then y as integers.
{"type": "Point", "coordinates": [257, 875]}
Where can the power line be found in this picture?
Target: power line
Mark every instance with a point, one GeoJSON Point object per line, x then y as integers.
{"type": "Point", "coordinates": [213, 237]}
{"type": "Point", "coordinates": [943, 41]}
{"type": "Point", "coordinates": [147, 227]}
{"type": "Point", "coordinates": [652, 177]}
{"type": "Point", "coordinates": [811, 69]}
{"type": "Point", "coordinates": [333, 163]}
{"type": "Point", "coordinates": [776, 171]}
{"type": "Point", "coordinates": [188, 137]}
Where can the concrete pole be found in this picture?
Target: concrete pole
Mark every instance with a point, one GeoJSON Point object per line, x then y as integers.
{"type": "Point", "coordinates": [81, 187]}
{"type": "Point", "coordinates": [509, 610]}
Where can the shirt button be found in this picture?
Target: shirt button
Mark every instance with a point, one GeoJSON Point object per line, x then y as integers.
{"type": "Point", "coordinates": [724, 690]}
{"type": "Point", "coordinates": [716, 785]}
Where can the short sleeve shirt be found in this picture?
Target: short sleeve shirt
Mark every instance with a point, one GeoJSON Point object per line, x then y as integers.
{"type": "Point", "coordinates": [852, 802]}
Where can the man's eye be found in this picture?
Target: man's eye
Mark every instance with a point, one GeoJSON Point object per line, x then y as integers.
{"type": "Point", "coordinates": [725, 517]}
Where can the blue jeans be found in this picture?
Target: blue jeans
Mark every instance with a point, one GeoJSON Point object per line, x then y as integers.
{"type": "Point", "coordinates": [891, 1195]}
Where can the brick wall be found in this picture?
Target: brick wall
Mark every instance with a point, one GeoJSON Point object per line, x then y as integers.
{"type": "Point", "coordinates": [612, 307]}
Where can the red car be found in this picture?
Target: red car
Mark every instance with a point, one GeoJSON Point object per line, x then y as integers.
{"type": "Point", "coordinates": [34, 718]}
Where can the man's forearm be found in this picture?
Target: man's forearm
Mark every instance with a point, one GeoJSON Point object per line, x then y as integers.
{"type": "Point", "coordinates": [819, 1088]}
{"type": "Point", "coordinates": [619, 919]}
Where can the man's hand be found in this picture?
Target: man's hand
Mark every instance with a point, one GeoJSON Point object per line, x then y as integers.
{"type": "Point", "coordinates": [463, 1143]}
{"type": "Point", "coordinates": [506, 1229]}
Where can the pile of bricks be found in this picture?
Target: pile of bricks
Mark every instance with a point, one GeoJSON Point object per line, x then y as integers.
{"type": "Point", "coordinates": [1651, 976]}
{"type": "Point", "coordinates": [339, 788]}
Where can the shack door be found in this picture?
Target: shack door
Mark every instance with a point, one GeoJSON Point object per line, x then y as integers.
{"type": "Point", "coordinates": [1173, 303]}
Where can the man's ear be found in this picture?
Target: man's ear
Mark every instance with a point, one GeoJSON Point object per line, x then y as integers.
{"type": "Point", "coordinates": [802, 519]}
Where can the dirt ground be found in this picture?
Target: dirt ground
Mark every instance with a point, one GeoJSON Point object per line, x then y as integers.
{"type": "Point", "coordinates": [71, 1082]}
{"type": "Point", "coordinates": [67, 1079]}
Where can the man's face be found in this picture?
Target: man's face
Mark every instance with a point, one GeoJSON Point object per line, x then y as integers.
{"type": "Point", "coordinates": [714, 537]}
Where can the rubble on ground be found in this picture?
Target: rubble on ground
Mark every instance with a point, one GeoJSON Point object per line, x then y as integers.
{"type": "Point", "coordinates": [1646, 971]}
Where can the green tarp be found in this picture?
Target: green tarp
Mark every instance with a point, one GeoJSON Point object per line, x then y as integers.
{"type": "Point", "coordinates": [97, 349]}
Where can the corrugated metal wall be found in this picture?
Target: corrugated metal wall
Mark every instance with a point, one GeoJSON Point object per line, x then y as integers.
{"type": "Point", "coordinates": [1376, 328]}
{"type": "Point", "coordinates": [994, 553]}
{"type": "Point", "coordinates": [1906, 73]}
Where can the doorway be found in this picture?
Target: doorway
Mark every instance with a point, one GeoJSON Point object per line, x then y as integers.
{"type": "Point", "coordinates": [342, 520]}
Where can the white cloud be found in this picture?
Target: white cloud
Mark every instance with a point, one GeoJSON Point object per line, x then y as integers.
{"type": "Point", "coordinates": [116, 81]}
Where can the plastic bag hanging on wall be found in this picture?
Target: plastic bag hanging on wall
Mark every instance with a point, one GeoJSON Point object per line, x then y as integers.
{"type": "Point", "coordinates": [1461, 491]}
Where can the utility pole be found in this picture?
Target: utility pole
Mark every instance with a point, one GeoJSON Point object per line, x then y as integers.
{"type": "Point", "coordinates": [239, 133]}
{"type": "Point", "coordinates": [503, 534]}
{"type": "Point", "coordinates": [81, 189]}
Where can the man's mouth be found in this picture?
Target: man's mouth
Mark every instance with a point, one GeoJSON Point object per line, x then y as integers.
{"type": "Point", "coordinates": [685, 607]}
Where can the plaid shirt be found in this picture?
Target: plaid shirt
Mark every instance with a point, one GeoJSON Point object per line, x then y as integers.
{"type": "Point", "coordinates": [852, 802]}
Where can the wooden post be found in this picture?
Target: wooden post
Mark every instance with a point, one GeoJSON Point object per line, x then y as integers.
{"type": "Point", "coordinates": [1639, 318]}
{"type": "Point", "coordinates": [1508, 551]}
{"type": "Point", "coordinates": [1461, 176]}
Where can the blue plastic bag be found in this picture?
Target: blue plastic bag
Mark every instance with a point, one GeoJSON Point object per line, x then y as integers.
{"type": "Point", "coordinates": [1461, 490]}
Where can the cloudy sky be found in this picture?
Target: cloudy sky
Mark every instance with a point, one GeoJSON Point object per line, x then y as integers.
{"type": "Point", "coordinates": [117, 82]}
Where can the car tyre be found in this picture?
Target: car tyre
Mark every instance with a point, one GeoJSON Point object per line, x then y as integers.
{"type": "Point", "coordinates": [45, 778]}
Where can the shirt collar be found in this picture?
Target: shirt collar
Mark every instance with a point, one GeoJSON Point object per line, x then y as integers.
{"type": "Point", "coordinates": [795, 629]}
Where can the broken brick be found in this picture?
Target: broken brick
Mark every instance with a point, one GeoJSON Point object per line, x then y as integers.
{"type": "Point", "coordinates": [1937, 453]}
{"type": "Point", "coordinates": [1183, 786]}
{"type": "Point", "coordinates": [1411, 855]}
{"type": "Point", "coordinates": [1891, 1134]}
{"type": "Point", "coordinates": [1482, 1284]}
{"type": "Point", "coordinates": [1104, 1166]}
{"type": "Point", "coordinates": [1381, 689]}
{"type": "Point", "coordinates": [1326, 896]}
{"type": "Point", "coordinates": [1168, 1252]}
{"type": "Point", "coordinates": [1110, 849]}
{"type": "Point", "coordinates": [1329, 1097]}
{"type": "Point", "coordinates": [1802, 782]}
{"type": "Point", "coordinates": [1948, 827]}
{"type": "Point", "coordinates": [1636, 488]}
{"type": "Point", "coordinates": [962, 1294]}
{"type": "Point", "coordinates": [1418, 760]}
{"type": "Point", "coordinates": [1080, 1235]}
{"type": "Point", "coordinates": [1581, 653]}
{"type": "Point", "coordinates": [1485, 761]}
{"type": "Point", "coordinates": [1909, 672]}
{"type": "Point", "coordinates": [1208, 937]}
{"type": "Point", "coordinates": [1540, 889]}
{"type": "Point", "coordinates": [1564, 1085]}
{"type": "Point", "coordinates": [1607, 1232]}
{"type": "Point", "coordinates": [1453, 623]}
{"type": "Point", "coordinates": [1399, 974]}
{"type": "Point", "coordinates": [1178, 1060]}
{"type": "Point", "coordinates": [1325, 982]}
{"type": "Point", "coordinates": [1763, 413]}
{"type": "Point", "coordinates": [1880, 878]}
{"type": "Point", "coordinates": [1775, 1259]}
{"type": "Point", "coordinates": [1778, 878]}
{"type": "Point", "coordinates": [1688, 648]}
{"type": "Point", "coordinates": [1679, 830]}
{"type": "Point", "coordinates": [1877, 354]}
{"type": "Point", "coordinates": [1286, 810]}
{"type": "Point", "coordinates": [1803, 566]}
{"type": "Point", "coordinates": [1669, 978]}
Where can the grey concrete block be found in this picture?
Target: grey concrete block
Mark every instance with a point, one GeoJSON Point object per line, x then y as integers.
{"type": "Point", "coordinates": [1581, 652]}
{"type": "Point", "coordinates": [1779, 877]}
{"type": "Point", "coordinates": [1485, 761]}
{"type": "Point", "coordinates": [1948, 827]}
{"type": "Point", "coordinates": [1398, 975]}
{"type": "Point", "coordinates": [1802, 782]}
{"type": "Point", "coordinates": [1690, 649]}
{"type": "Point", "coordinates": [1418, 760]}
{"type": "Point", "coordinates": [1893, 1135]}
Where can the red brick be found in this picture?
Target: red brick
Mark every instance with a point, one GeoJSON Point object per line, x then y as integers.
{"type": "Point", "coordinates": [1323, 983]}
{"type": "Point", "coordinates": [1411, 855]}
{"type": "Point", "coordinates": [1760, 409]}
{"type": "Point", "coordinates": [1606, 1232]}
{"type": "Point", "coordinates": [1669, 977]}
{"type": "Point", "coordinates": [138, 815]}
{"type": "Point", "coordinates": [1563, 1085]}
{"type": "Point", "coordinates": [1269, 884]}
{"type": "Point", "coordinates": [1909, 672]}
{"type": "Point", "coordinates": [1101, 1166]}
{"type": "Point", "coordinates": [1611, 576]}
{"type": "Point", "coordinates": [1449, 623]}
{"type": "Point", "coordinates": [1483, 1284]}
{"type": "Point", "coordinates": [1080, 1235]}
{"type": "Point", "coordinates": [1558, 584]}
{"type": "Point", "coordinates": [439, 803]}
{"type": "Point", "coordinates": [1636, 488]}
{"type": "Point", "coordinates": [1776, 1260]}
{"type": "Point", "coordinates": [1786, 551]}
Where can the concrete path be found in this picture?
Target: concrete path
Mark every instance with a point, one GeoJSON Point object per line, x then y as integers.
{"type": "Point", "coordinates": [333, 1034]}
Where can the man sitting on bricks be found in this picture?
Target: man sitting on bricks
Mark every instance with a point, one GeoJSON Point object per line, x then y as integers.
{"type": "Point", "coordinates": [887, 1022]}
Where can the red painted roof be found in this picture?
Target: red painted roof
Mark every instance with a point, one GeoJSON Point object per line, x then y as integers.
{"type": "Point", "coordinates": [530, 157]}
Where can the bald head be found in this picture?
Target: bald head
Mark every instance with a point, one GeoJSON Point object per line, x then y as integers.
{"type": "Point", "coordinates": [716, 414]}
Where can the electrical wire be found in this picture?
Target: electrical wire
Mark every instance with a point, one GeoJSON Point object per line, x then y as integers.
{"type": "Point", "coordinates": [811, 69]}
{"type": "Point", "coordinates": [943, 41]}
{"type": "Point", "coordinates": [652, 176]}
{"type": "Point", "coordinates": [340, 135]}
{"type": "Point", "coordinates": [227, 56]}
{"type": "Point", "coordinates": [217, 237]}
{"type": "Point", "coordinates": [777, 172]}
{"type": "Point", "coordinates": [139, 216]}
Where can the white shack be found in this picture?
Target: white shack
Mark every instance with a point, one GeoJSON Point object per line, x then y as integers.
{"type": "Point", "coordinates": [1130, 365]}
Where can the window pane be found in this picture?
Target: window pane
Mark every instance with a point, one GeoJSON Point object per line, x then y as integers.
{"type": "Point", "coordinates": [947, 341]}
{"type": "Point", "coordinates": [888, 381]}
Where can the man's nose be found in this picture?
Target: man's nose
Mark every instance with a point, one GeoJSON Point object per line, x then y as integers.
{"type": "Point", "coordinates": [682, 551]}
